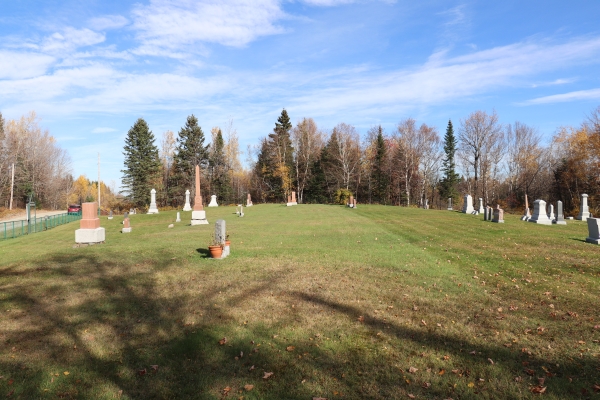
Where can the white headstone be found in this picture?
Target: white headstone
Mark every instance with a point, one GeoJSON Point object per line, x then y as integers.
{"type": "Point", "coordinates": [539, 213]}
{"type": "Point", "coordinates": [178, 217]}
{"type": "Point", "coordinates": [560, 218]}
{"type": "Point", "coordinates": [153, 209]}
{"type": "Point", "coordinates": [481, 209]}
{"type": "Point", "coordinates": [584, 209]}
{"type": "Point", "coordinates": [187, 206]}
{"type": "Point", "coordinates": [551, 213]}
{"type": "Point", "coordinates": [450, 204]}
{"type": "Point", "coordinates": [213, 201]}
{"type": "Point", "coordinates": [199, 218]}
{"type": "Point", "coordinates": [468, 204]}
{"type": "Point", "coordinates": [593, 230]}
{"type": "Point", "coordinates": [110, 216]}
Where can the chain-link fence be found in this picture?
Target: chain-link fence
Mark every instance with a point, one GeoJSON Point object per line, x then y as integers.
{"type": "Point", "coordinates": [13, 229]}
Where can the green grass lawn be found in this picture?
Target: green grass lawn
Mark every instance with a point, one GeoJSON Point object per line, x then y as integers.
{"type": "Point", "coordinates": [373, 303]}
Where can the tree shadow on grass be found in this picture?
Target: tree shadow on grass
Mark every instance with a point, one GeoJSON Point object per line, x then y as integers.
{"type": "Point", "coordinates": [107, 323]}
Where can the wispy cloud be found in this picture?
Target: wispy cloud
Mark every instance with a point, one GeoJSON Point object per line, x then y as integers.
{"type": "Point", "coordinates": [590, 94]}
{"type": "Point", "coordinates": [166, 26]}
{"type": "Point", "coordinates": [22, 65]}
{"type": "Point", "coordinates": [70, 39]}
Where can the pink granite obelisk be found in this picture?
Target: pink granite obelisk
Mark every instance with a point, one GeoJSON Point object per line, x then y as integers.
{"type": "Point", "coordinates": [198, 213]}
{"type": "Point", "coordinates": [89, 230]}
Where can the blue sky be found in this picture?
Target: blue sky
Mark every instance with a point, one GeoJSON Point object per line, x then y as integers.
{"type": "Point", "coordinates": [90, 69]}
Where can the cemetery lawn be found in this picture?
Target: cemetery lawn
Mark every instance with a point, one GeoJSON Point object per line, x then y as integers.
{"type": "Point", "coordinates": [314, 301]}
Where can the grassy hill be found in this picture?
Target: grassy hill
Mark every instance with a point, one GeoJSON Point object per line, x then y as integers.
{"type": "Point", "coordinates": [378, 302]}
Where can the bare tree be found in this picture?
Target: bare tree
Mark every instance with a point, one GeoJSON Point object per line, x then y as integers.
{"type": "Point", "coordinates": [347, 154]}
{"type": "Point", "coordinates": [430, 157]}
{"type": "Point", "coordinates": [480, 141]}
{"type": "Point", "coordinates": [307, 141]}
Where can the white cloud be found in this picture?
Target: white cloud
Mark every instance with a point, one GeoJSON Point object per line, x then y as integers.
{"type": "Point", "coordinates": [332, 3]}
{"type": "Point", "coordinates": [70, 39]}
{"type": "Point", "coordinates": [167, 25]}
{"type": "Point", "coordinates": [590, 94]}
{"type": "Point", "coordinates": [21, 65]}
{"type": "Point", "coordinates": [106, 22]}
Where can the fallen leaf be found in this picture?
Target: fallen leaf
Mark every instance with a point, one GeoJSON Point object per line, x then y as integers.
{"type": "Point", "coordinates": [223, 341]}
{"type": "Point", "coordinates": [426, 385]}
{"type": "Point", "coordinates": [10, 382]}
{"type": "Point", "coordinates": [412, 370]}
{"type": "Point", "coordinates": [154, 367]}
{"type": "Point", "coordinates": [251, 368]}
{"type": "Point", "coordinates": [471, 384]}
{"type": "Point", "coordinates": [442, 372]}
{"type": "Point", "coordinates": [361, 319]}
{"type": "Point", "coordinates": [267, 375]}
{"type": "Point", "coordinates": [10, 393]}
{"type": "Point", "coordinates": [596, 388]}
{"type": "Point", "coordinates": [319, 398]}
{"type": "Point", "coordinates": [248, 387]}
{"type": "Point", "coordinates": [423, 322]}
{"type": "Point", "coordinates": [538, 389]}
{"type": "Point", "coordinates": [142, 372]}
{"type": "Point", "coordinates": [226, 390]}
{"type": "Point", "coordinates": [411, 396]}
{"type": "Point", "coordinates": [290, 348]}
{"type": "Point", "coordinates": [473, 352]}
{"type": "Point", "coordinates": [491, 361]}
{"type": "Point", "coordinates": [66, 373]}
{"type": "Point", "coordinates": [530, 372]}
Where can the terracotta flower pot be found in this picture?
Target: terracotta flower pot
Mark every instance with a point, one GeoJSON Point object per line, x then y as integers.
{"type": "Point", "coordinates": [215, 251]}
{"type": "Point", "coordinates": [227, 243]}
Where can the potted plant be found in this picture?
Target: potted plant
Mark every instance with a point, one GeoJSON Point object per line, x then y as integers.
{"type": "Point", "coordinates": [227, 241]}
{"type": "Point", "coordinates": [215, 248]}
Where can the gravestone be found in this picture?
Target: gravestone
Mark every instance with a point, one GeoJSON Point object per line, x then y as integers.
{"type": "Point", "coordinates": [468, 204]}
{"type": "Point", "coordinates": [490, 212]}
{"type": "Point", "coordinates": [126, 215]}
{"type": "Point", "coordinates": [153, 209]}
{"type": "Point", "coordinates": [584, 209]}
{"type": "Point", "coordinates": [527, 214]}
{"type": "Point", "coordinates": [354, 206]}
{"type": "Point", "coordinates": [426, 204]}
{"type": "Point", "coordinates": [539, 213]}
{"type": "Point", "coordinates": [450, 204]}
{"type": "Point", "coordinates": [289, 201]}
{"type": "Point", "coordinates": [89, 226]}
{"type": "Point", "coordinates": [294, 202]}
{"type": "Point", "coordinates": [593, 230]}
{"type": "Point", "coordinates": [221, 236]}
{"type": "Point", "coordinates": [560, 218]}
{"type": "Point", "coordinates": [486, 213]}
{"type": "Point", "coordinates": [498, 215]}
{"type": "Point", "coordinates": [198, 213]}
{"type": "Point", "coordinates": [239, 210]}
{"type": "Point", "coordinates": [187, 206]}
{"type": "Point", "coordinates": [351, 202]}
{"type": "Point", "coordinates": [249, 201]}
{"type": "Point", "coordinates": [551, 213]}
{"type": "Point", "coordinates": [110, 216]}
{"type": "Point", "coordinates": [481, 206]}
{"type": "Point", "coordinates": [178, 219]}
{"type": "Point", "coordinates": [213, 201]}
{"type": "Point", "coordinates": [126, 226]}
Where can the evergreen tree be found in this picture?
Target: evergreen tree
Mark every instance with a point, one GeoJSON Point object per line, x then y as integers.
{"type": "Point", "coordinates": [451, 178]}
{"type": "Point", "coordinates": [316, 188]}
{"type": "Point", "coordinates": [142, 165]}
{"type": "Point", "coordinates": [379, 176]}
{"type": "Point", "coordinates": [220, 182]}
{"type": "Point", "coordinates": [190, 151]}
{"type": "Point", "coordinates": [282, 156]}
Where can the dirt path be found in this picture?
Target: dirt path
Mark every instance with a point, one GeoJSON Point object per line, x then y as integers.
{"type": "Point", "coordinates": [22, 214]}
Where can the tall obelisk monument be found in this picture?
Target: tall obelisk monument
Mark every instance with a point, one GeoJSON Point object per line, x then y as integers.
{"type": "Point", "coordinates": [198, 213]}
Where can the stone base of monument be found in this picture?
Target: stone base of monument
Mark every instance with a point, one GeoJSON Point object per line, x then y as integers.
{"type": "Point", "coordinates": [541, 220]}
{"type": "Point", "coordinates": [110, 217]}
{"type": "Point", "coordinates": [97, 235]}
{"type": "Point", "coordinates": [225, 251]}
{"type": "Point", "coordinates": [126, 230]}
{"type": "Point", "coordinates": [559, 222]}
{"type": "Point", "coordinates": [152, 211]}
{"type": "Point", "coordinates": [475, 212]}
{"type": "Point", "coordinates": [187, 208]}
{"type": "Point", "coordinates": [291, 204]}
{"type": "Point", "coordinates": [249, 205]}
{"type": "Point", "coordinates": [199, 218]}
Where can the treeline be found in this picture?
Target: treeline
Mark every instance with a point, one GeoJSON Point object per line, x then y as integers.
{"type": "Point", "coordinates": [410, 166]}
{"type": "Point", "coordinates": [42, 170]}
{"type": "Point", "coordinates": [413, 164]}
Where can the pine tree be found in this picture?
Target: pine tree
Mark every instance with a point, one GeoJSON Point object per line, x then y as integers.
{"type": "Point", "coordinates": [451, 178]}
{"type": "Point", "coordinates": [379, 177]}
{"type": "Point", "coordinates": [220, 182]}
{"type": "Point", "coordinates": [190, 151]}
{"type": "Point", "coordinates": [142, 165]}
{"type": "Point", "coordinates": [282, 156]}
